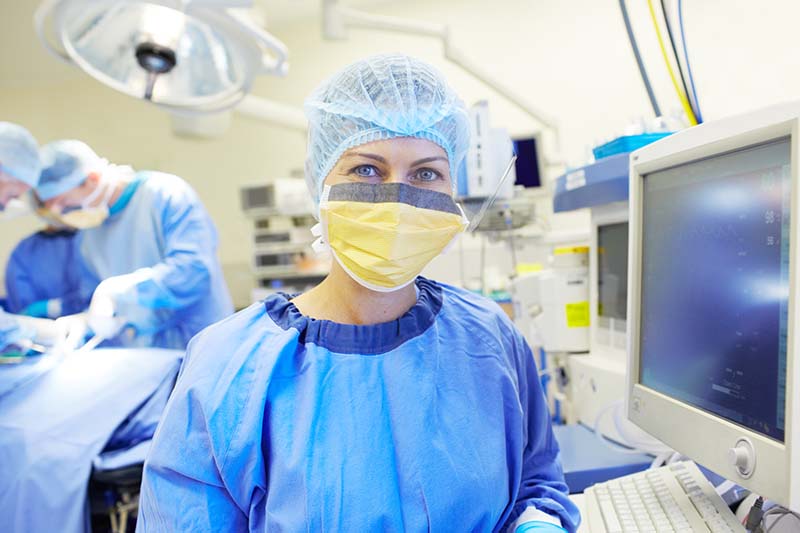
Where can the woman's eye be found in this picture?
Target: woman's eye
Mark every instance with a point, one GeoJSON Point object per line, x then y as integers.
{"type": "Point", "coordinates": [427, 174]}
{"type": "Point", "coordinates": [365, 171]}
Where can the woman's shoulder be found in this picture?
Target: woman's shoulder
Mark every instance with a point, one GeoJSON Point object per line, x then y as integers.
{"type": "Point", "coordinates": [246, 342]}
{"type": "Point", "coordinates": [479, 317]}
{"type": "Point", "coordinates": [221, 392]}
{"type": "Point", "coordinates": [474, 306]}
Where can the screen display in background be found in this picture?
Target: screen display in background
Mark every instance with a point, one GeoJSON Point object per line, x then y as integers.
{"type": "Point", "coordinates": [527, 163]}
{"type": "Point", "coordinates": [715, 284]}
{"type": "Point", "coordinates": [612, 270]}
{"type": "Point", "coordinates": [255, 197]}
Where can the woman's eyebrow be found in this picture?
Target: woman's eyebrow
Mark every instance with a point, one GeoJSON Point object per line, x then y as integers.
{"type": "Point", "coordinates": [368, 156]}
{"type": "Point", "coordinates": [428, 160]}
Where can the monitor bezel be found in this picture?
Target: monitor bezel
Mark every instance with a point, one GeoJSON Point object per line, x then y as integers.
{"type": "Point", "coordinates": [698, 434]}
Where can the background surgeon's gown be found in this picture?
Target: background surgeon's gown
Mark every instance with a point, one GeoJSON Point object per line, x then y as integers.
{"type": "Point", "coordinates": [160, 233]}
{"type": "Point", "coordinates": [433, 422]}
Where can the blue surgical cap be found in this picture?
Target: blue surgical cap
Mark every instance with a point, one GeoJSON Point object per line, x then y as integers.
{"type": "Point", "coordinates": [65, 165]}
{"type": "Point", "coordinates": [382, 97]}
{"type": "Point", "coordinates": [19, 153]}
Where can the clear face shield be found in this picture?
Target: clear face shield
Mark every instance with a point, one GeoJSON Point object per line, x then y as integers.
{"type": "Point", "coordinates": [475, 211]}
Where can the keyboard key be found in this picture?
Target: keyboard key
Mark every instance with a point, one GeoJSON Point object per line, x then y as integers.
{"type": "Point", "coordinates": [610, 516]}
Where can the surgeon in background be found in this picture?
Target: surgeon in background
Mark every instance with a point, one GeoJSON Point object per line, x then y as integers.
{"type": "Point", "coordinates": [43, 275]}
{"type": "Point", "coordinates": [19, 168]}
{"type": "Point", "coordinates": [379, 400]}
{"type": "Point", "coordinates": [19, 171]}
{"type": "Point", "coordinates": [145, 240]}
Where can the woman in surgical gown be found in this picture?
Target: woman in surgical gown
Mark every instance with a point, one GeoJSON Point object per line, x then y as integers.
{"type": "Point", "coordinates": [379, 400]}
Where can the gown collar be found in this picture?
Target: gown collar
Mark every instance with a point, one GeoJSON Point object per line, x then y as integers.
{"type": "Point", "coordinates": [373, 339]}
{"type": "Point", "coordinates": [126, 195]}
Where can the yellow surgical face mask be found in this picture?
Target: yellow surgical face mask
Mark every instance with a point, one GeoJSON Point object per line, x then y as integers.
{"type": "Point", "coordinates": [86, 216]}
{"type": "Point", "coordinates": [384, 235]}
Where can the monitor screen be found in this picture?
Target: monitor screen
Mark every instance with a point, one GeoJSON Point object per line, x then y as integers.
{"type": "Point", "coordinates": [715, 285]}
{"type": "Point", "coordinates": [255, 197]}
{"type": "Point", "coordinates": [612, 270]}
{"type": "Point", "coordinates": [527, 164]}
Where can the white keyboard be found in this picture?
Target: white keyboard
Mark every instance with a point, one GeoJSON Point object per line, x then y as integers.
{"type": "Point", "coordinates": [671, 499]}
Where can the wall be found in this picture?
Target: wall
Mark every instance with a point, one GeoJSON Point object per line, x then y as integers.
{"type": "Point", "coordinates": [127, 131]}
{"type": "Point", "coordinates": [571, 59]}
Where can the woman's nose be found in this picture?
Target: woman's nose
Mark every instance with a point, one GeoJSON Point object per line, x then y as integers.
{"type": "Point", "coordinates": [395, 177]}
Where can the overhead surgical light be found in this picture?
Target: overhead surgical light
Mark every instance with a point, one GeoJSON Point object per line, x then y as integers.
{"type": "Point", "coordinates": [190, 56]}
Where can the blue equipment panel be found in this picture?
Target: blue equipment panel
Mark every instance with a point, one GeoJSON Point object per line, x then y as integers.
{"type": "Point", "coordinates": [600, 183]}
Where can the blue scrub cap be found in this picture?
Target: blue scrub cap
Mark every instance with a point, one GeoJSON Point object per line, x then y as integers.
{"type": "Point", "coordinates": [66, 165]}
{"type": "Point", "coordinates": [19, 153]}
{"type": "Point", "coordinates": [382, 97]}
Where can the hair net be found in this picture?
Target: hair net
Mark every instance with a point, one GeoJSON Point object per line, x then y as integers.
{"type": "Point", "coordinates": [19, 153]}
{"type": "Point", "coordinates": [66, 165]}
{"type": "Point", "coordinates": [382, 97]}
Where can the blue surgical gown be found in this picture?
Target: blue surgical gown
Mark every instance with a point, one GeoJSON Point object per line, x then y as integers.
{"type": "Point", "coordinates": [160, 230]}
{"type": "Point", "coordinates": [46, 266]}
{"type": "Point", "coordinates": [435, 421]}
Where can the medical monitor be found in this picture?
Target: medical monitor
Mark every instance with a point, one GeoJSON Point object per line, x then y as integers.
{"type": "Point", "coordinates": [527, 165]}
{"type": "Point", "coordinates": [609, 276]}
{"type": "Point", "coordinates": [712, 298]}
{"type": "Point", "coordinates": [612, 271]}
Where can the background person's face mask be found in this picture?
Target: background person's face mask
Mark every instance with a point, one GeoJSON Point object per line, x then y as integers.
{"type": "Point", "coordinates": [384, 235]}
{"type": "Point", "coordinates": [88, 216]}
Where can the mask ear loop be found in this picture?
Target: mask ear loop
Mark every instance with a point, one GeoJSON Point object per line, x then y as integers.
{"type": "Point", "coordinates": [107, 196]}
{"type": "Point", "coordinates": [319, 245]}
{"type": "Point", "coordinates": [319, 230]}
{"type": "Point", "coordinates": [105, 188]}
{"type": "Point", "coordinates": [490, 200]}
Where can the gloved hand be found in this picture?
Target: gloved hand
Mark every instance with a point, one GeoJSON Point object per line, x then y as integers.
{"type": "Point", "coordinates": [118, 297]}
{"type": "Point", "coordinates": [73, 330]}
{"type": "Point", "coordinates": [539, 527]}
{"type": "Point", "coordinates": [103, 318]}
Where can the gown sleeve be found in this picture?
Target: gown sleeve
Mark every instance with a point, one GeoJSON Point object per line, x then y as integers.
{"type": "Point", "coordinates": [204, 472]}
{"type": "Point", "coordinates": [542, 484]}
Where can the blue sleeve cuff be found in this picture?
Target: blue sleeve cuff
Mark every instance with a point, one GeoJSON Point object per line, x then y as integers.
{"type": "Point", "coordinates": [539, 527]}
{"type": "Point", "coordinates": [36, 309]}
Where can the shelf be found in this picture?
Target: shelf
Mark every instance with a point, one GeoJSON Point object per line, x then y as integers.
{"type": "Point", "coordinates": [276, 248]}
{"type": "Point", "coordinates": [282, 272]}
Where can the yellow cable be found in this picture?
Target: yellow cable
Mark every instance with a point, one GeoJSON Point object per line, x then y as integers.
{"type": "Point", "coordinates": [681, 96]}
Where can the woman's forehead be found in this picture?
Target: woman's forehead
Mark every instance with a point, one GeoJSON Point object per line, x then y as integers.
{"type": "Point", "coordinates": [398, 147]}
